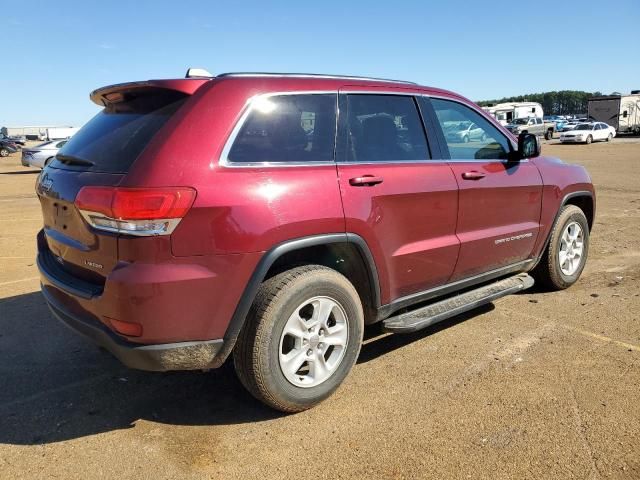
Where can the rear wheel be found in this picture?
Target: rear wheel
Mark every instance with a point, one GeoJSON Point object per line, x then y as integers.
{"type": "Point", "coordinates": [610, 137]}
{"type": "Point", "coordinates": [300, 339]}
{"type": "Point", "coordinates": [4, 152]}
{"type": "Point", "coordinates": [548, 135]}
{"type": "Point", "coordinates": [565, 256]}
{"type": "Point", "coordinates": [589, 139]}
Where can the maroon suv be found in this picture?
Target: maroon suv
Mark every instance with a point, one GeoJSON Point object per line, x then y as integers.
{"type": "Point", "coordinates": [272, 216]}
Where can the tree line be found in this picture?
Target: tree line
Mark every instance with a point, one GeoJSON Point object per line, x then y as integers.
{"type": "Point", "coordinates": [564, 102]}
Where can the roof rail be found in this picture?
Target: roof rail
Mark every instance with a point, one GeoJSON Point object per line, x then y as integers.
{"type": "Point", "coordinates": [309, 75]}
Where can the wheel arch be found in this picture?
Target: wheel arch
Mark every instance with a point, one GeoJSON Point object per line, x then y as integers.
{"type": "Point", "coordinates": [583, 199]}
{"type": "Point", "coordinates": [346, 253]}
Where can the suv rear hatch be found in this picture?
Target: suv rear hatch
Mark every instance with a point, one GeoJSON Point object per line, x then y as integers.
{"type": "Point", "coordinates": [94, 161]}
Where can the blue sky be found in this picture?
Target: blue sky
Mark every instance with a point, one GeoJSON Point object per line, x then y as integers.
{"type": "Point", "coordinates": [57, 52]}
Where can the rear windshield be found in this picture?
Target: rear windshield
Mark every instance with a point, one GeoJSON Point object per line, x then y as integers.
{"type": "Point", "coordinates": [115, 137]}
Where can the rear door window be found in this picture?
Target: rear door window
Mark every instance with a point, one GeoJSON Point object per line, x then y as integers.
{"type": "Point", "coordinates": [384, 128]}
{"type": "Point", "coordinates": [113, 139]}
{"type": "Point", "coordinates": [298, 128]}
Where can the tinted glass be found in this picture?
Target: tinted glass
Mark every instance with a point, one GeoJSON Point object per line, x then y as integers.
{"type": "Point", "coordinates": [384, 128]}
{"type": "Point", "coordinates": [484, 142]}
{"type": "Point", "coordinates": [584, 126]}
{"type": "Point", "coordinates": [287, 128]}
{"type": "Point", "coordinates": [115, 137]}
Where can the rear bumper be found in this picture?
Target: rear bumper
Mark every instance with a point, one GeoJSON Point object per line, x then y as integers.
{"type": "Point", "coordinates": [160, 357]}
{"type": "Point", "coordinates": [184, 306]}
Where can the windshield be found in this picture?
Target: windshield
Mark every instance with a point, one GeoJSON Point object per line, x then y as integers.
{"type": "Point", "coordinates": [584, 126]}
{"type": "Point", "coordinates": [115, 137]}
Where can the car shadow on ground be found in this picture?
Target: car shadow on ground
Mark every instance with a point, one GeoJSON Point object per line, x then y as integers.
{"type": "Point", "coordinates": [378, 343]}
{"type": "Point", "coordinates": [55, 385]}
{"type": "Point", "coordinates": [20, 172]}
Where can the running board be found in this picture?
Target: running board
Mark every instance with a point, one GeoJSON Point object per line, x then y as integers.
{"type": "Point", "coordinates": [436, 312]}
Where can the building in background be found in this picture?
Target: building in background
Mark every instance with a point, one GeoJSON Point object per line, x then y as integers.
{"type": "Point", "coordinates": [41, 132]}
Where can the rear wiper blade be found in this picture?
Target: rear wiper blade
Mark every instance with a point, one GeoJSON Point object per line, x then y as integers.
{"type": "Point", "coordinates": [71, 160]}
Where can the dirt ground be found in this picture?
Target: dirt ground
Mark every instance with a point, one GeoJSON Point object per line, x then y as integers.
{"type": "Point", "coordinates": [537, 386]}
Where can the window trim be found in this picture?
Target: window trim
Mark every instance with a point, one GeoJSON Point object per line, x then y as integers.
{"type": "Point", "coordinates": [444, 147]}
{"type": "Point", "coordinates": [341, 142]}
{"type": "Point", "coordinates": [224, 161]}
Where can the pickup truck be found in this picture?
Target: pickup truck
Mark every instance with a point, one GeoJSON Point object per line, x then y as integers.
{"type": "Point", "coordinates": [533, 125]}
{"type": "Point", "coordinates": [314, 205]}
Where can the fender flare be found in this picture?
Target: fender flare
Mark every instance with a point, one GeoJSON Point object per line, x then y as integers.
{"type": "Point", "coordinates": [268, 259]}
{"type": "Point", "coordinates": [565, 200]}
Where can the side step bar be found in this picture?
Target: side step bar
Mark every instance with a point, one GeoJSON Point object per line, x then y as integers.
{"type": "Point", "coordinates": [436, 312]}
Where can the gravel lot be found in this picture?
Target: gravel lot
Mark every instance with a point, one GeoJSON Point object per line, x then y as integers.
{"type": "Point", "coordinates": [539, 385]}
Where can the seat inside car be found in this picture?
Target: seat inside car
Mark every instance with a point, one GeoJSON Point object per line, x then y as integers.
{"type": "Point", "coordinates": [379, 140]}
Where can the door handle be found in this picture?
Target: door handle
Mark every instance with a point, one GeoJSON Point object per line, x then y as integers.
{"type": "Point", "coordinates": [365, 181]}
{"type": "Point", "coordinates": [473, 175]}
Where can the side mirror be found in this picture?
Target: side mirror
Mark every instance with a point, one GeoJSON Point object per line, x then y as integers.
{"type": "Point", "coordinates": [528, 146]}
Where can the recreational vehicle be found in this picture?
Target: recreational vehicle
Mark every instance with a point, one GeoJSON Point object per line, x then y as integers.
{"type": "Point", "coordinates": [622, 112]}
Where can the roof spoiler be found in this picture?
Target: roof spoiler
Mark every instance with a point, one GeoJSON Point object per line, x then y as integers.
{"type": "Point", "coordinates": [115, 93]}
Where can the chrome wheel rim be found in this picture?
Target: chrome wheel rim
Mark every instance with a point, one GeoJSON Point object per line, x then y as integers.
{"type": "Point", "coordinates": [571, 248]}
{"type": "Point", "coordinates": [313, 342]}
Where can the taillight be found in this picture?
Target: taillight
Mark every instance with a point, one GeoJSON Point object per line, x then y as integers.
{"type": "Point", "coordinates": [135, 211]}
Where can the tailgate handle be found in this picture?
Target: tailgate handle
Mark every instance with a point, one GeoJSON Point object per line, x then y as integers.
{"type": "Point", "coordinates": [365, 181]}
{"type": "Point", "coordinates": [473, 175]}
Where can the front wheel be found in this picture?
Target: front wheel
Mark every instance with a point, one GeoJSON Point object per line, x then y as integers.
{"type": "Point", "coordinates": [301, 338]}
{"type": "Point", "coordinates": [566, 255]}
{"type": "Point", "coordinates": [4, 152]}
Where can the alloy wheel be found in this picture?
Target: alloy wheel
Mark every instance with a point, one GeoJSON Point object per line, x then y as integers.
{"type": "Point", "coordinates": [571, 248]}
{"type": "Point", "coordinates": [313, 342]}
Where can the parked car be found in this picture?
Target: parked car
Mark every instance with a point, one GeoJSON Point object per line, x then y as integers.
{"type": "Point", "coordinates": [42, 154]}
{"type": "Point", "coordinates": [535, 126]}
{"type": "Point", "coordinates": [7, 147]}
{"type": "Point", "coordinates": [18, 139]}
{"type": "Point", "coordinates": [558, 121]}
{"type": "Point", "coordinates": [571, 125]}
{"type": "Point", "coordinates": [267, 241]}
{"type": "Point", "coordinates": [589, 132]}
{"type": "Point", "coordinates": [463, 132]}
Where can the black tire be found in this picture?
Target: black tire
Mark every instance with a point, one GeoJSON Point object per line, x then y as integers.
{"type": "Point", "coordinates": [548, 271]}
{"type": "Point", "coordinates": [256, 354]}
{"type": "Point", "coordinates": [548, 135]}
{"type": "Point", "coordinates": [4, 152]}
{"type": "Point", "coordinates": [610, 137]}
{"type": "Point", "coordinates": [589, 139]}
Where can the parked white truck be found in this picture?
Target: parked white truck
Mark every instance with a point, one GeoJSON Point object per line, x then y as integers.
{"type": "Point", "coordinates": [622, 112]}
